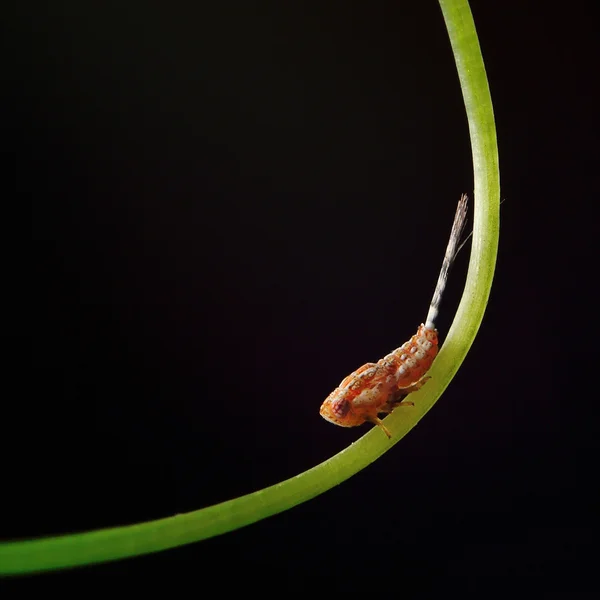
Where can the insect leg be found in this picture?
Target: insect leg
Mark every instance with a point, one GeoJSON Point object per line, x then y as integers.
{"type": "Point", "coordinates": [379, 423]}
{"type": "Point", "coordinates": [393, 403]}
{"type": "Point", "coordinates": [417, 385]}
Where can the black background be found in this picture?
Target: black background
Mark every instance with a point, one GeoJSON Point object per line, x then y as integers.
{"type": "Point", "coordinates": [236, 204]}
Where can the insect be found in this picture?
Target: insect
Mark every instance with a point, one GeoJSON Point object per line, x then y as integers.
{"type": "Point", "coordinates": [378, 388]}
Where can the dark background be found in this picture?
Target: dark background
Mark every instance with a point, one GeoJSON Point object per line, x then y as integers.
{"type": "Point", "coordinates": [236, 204]}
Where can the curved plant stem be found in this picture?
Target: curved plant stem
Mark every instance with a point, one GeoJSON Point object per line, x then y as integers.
{"type": "Point", "coordinates": [119, 542]}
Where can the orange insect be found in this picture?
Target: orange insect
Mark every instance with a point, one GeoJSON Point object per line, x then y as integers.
{"type": "Point", "coordinates": [378, 388]}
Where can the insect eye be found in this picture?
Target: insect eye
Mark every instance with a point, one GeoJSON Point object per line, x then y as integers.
{"type": "Point", "coordinates": [340, 407]}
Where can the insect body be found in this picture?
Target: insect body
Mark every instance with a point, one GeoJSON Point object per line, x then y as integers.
{"type": "Point", "coordinates": [378, 388]}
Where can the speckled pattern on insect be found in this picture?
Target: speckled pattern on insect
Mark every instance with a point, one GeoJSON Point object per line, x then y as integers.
{"type": "Point", "coordinates": [377, 388]}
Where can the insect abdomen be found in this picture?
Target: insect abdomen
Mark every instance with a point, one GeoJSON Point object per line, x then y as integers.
{"type": "Point", "coordinates": [415, 356]}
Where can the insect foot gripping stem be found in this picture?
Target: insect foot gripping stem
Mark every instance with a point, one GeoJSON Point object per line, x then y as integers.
{"type": "Point", "coordinates": [378, 388]}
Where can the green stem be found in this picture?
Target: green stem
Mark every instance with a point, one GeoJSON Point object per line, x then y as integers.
{"type": "Point", "coordinates": [120, 542]}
